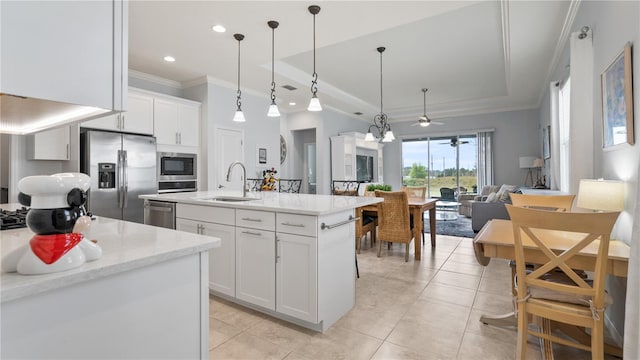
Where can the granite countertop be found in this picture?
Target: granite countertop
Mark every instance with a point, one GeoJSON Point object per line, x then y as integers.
{"type": "Point", "coordinates": [125, 246]}
{"type": "Point", "coordinates": [308, 204]}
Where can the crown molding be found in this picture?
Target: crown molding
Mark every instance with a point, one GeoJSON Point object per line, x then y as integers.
{"type": "Point", "coordinates": [154, 79]}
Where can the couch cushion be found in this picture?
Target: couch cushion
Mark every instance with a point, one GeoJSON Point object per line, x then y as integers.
{"type": "Point", "coordinates": [503, 193]}
{"type": "Point", "coordinates": [492, 197]}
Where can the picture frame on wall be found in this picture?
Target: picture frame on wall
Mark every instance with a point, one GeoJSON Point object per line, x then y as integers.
{"type": "Point", "coordinates": [262, 155]}
{"type": "Point", "coordinates": [546, 137]}
{"type": "Point", "coordinates": [617, 101]}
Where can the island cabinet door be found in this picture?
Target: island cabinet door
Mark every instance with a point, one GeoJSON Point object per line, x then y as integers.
{"type": "Point", "coordinates": [296, 276]}
{"type": "Point", "coordinates": [255, 267]}
{"type": "Point", "coordinates": [222, 264]}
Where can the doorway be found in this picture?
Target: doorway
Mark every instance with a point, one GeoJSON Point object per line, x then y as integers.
{"type": "Point", "coordinates": [229, 148]}
{"type": "Point", "coordinates": [309, 177]}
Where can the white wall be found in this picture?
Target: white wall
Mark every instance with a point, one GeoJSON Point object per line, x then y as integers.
{"type": "Point", "coordinates": [517, 133]}
{"type": "Point", "coordinates": [613, 24]}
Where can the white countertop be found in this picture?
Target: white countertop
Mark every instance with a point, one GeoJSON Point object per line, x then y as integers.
{"type": "Point", "coordinates": [308, 204]}
{"type": "Point", "coordinates": [125, 246]}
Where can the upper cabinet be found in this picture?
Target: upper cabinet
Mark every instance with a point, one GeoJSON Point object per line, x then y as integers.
{"type": "Point", "coordinates": [65, 51]}
{"type": "Point", "coordinates": [176, 121]}
{"type": "Point", "coordinates": [50, 144]}
{"type": "Point", "coordinates": [347, 151]}
{"type": "Point", "coordinates": [137, 119]}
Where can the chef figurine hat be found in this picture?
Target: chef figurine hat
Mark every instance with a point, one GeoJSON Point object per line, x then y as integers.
{"type": "Point", "coordinates": [56, 191]}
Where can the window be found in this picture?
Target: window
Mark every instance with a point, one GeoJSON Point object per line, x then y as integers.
{"type": "Point", "coordinates": [564, 135]}
{"type": "Point", "coordinates": [442, 161]}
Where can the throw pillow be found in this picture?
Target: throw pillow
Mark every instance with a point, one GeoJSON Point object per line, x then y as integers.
{"type": "Point", "coordinates": [504, 192]}
{"type": "Point", "coordinates": [492, 197]}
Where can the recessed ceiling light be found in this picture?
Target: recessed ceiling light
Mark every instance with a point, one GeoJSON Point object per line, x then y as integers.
{"type": "Point", "coordinates": [218, 28]}
{"type": "Point", "coordinates": [169, 58]}
{"type": "Point", "coordinates": [292, 104]}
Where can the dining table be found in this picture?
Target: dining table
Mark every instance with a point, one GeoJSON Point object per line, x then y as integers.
{"type": "Point", "coordinates": [495, 240]}
{"type": "Point", "coordinates": [417, 208]}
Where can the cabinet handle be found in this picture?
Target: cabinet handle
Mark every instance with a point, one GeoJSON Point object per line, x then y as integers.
{"type": "Point", "coordinates": [123, 118]}
{"type": "Point", "coordinates": [351, 219]}
{"type": "Point", "coordinates": [67, 151]}
{"type": "Point", "coordinates": [296, 225]}
{"type": "Point", "coordinates": [252, 233]}
{"type": "Point", "coordinates": [177, 139]}
{"type": "Point", "coordinates": [277, 255]}
{"type": "Point", "coordinates": [180, 138]}
{"type": "Point", "coordinates": [250, 219]}
{"type": "Point", "coordinates": [118, 121]}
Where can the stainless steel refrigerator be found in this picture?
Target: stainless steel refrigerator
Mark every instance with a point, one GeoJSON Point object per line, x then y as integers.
{"type": "Point", "coordinates": [121, 167]}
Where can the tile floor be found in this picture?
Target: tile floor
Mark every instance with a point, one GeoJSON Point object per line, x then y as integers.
{"type": "Point", "coordinates": [426, 309]}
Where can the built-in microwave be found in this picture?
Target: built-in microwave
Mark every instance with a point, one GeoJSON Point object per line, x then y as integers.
{"type": "Point", "coordinates": [177, 172]}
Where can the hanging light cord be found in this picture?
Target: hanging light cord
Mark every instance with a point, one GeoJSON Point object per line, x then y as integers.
{"type": "Point", "coordinates": [273, 82]}
{"type": "Point", "coordinates": [314, 82]}
{"type": "Point", "coordinates": [380, 120]}
{"type": "Point", "coordinates": [238, 102]}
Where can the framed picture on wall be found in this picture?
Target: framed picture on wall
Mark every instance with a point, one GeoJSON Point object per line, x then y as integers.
{"type": "Point", "coordinates": [546, 130]}
{"type": "Point", "coordinates": [617, 101]}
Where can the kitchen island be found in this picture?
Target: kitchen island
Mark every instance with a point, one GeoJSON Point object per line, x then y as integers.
{"type": "Point", "coordinates": [291, 256]}
{"type": "Point", "coordinates": [146, 297]}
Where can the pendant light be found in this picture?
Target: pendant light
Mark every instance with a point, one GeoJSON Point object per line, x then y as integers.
{"type": "Point", "coordinates": [314, 104]}
{"type": "Point", "coordinates": [273, 108]}
{"type": "Point", "coordinates": [380, 121]}
{"type": "Point", "coordinates": [239, 116]}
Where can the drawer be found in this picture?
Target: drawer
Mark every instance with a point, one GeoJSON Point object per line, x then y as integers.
{"type": "Point", "coordinates": [254, 219]}
{"type": "Point", "coordinates": [218, 215]}
{"type": "Point", "coordinates": [296, 224]}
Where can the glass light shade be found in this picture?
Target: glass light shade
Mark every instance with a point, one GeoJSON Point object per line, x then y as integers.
{"type": "Point", "coordinates": [369, 137]}
{"type": "Point", "coordinates": [314, 104]}
{"type": "Point", "coordinates": [390, 135]}
{"type": "Point", "coordinates": [239, 116]}
{"type": "Point", "coordinates": [273, 110]}
{"type": "Point", "coordinates": [387, 138]}
{"type": "Point", "coordinates": [602, 195]}
{"type": "Point", "coordinates": [425, 124]}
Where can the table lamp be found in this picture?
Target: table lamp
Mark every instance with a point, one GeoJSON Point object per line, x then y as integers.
{"type": "Point", "coordinates": [527, 162]}
{"type": "Point", "coordinates": [601, 195]}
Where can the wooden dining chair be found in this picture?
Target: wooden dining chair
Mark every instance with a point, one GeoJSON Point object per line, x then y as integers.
{"type": "Point", "coordinates": [572, 299]}
{"type": "Point", "coordinates": [561, 203]}
{"type": "Point", "coordinates": [418, 192]}
{"type": "Point", "coordinates": [366, 224]}
{"type": "Point", "coordinates": [393, 220]}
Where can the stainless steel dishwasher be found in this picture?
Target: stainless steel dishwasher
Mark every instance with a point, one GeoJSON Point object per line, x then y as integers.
{"type": "Point", "coordinates": [160, 213]}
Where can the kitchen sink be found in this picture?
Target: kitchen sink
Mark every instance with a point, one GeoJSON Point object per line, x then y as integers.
{"type": "Point", "coordinates": [229, 198]}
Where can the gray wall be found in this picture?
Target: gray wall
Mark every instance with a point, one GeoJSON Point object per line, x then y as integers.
{"type": "Point", "coordinates": [613, 24]}
{"type": "Point", "coordinates": [512, 138]}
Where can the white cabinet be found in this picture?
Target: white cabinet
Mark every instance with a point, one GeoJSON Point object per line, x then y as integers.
{"type": "Point", "coordinates": [73, 52]}
{"type": "Point", "coordinates": [216, 222]}
{"type": "Point", "coordinates": [345, 149]}
{"type": "Point", "coordinates": [343, 158]}
{"type": "Point", "coordinates": [49, 145]}
{"type": "Point", "coordinates": [287, 265]}
{"type": "Point", "coordinates": [255, 258]}
{"type": "Point", "coordinates": [137, 119]}
{"type": "Point", "coordinates": [176, 122]}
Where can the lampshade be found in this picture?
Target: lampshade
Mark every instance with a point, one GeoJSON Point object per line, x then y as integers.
{"type": "Point", "coordinates": [602, 195]}
{"type": "Point", "coordinates": [273, 110]}
{"type": "Point", "coordinates": [239, 116]}
{"type": "Point", "coordinates": [526, 162]}
{"type": "Point", "coordinates": [538, 163]}
{"type": "Point", "coordinates": [314, 104]}
{"type": "Point", "coordinates": [369, 137]}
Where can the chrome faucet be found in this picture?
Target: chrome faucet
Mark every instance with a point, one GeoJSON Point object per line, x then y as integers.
{"type": "Point", "coordinates": [245, 187]}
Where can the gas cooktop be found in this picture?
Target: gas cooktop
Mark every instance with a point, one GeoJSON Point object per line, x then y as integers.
{"type": "Point", "coordinates": [13, 219]}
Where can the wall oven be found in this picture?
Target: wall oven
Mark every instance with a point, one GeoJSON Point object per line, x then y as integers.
{"type": "Point", "coordinates": [177, 172]}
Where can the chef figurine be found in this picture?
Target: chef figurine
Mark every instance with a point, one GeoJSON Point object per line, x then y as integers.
{"type": "Point", "coordinates": [57, 217]}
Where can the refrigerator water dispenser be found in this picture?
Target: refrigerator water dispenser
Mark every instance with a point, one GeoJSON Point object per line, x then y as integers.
{"type": "Point", "coordinates": [107, 175]}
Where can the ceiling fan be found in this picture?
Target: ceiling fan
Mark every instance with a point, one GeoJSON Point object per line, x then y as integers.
{"type": "Point", "coordinates": [454, 142]}
{"type": "Point", "coordinates": [424, 120]}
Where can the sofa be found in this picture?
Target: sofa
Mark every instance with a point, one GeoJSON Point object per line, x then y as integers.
{"type": "Point", "coordinates": [491, 206]}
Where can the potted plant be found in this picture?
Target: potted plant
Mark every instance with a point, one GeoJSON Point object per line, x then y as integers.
{"type": "Point", "coordinates": [371, 188]}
